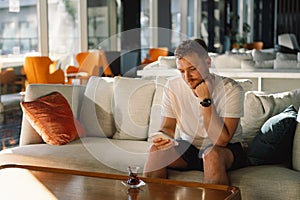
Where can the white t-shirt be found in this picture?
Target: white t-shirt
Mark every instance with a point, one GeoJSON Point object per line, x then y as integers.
{"type": "Point", "coordinates": [180, 103]}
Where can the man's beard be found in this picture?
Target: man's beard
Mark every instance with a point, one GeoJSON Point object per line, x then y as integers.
{"type": "Point", "coordinates": [193, 83]}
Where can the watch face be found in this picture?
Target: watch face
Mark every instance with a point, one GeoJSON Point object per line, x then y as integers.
{"type": "Point", "coordinates": [206, 102]}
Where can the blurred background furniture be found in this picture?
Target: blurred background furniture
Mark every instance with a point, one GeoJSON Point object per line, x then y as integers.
{"type": "Point", "coordinates": [7, 79]}
{"type": "Point", "coordinates": [254, 45]}
{"type": "Point", "coordinates": [154, 53]}
{"type": "Point", "coordinates": [89, 64]}
{"type": "Point", "coordinates": [288, 43]}
{"type": "Point", "coordinates": [20, 80]}
{"type": "Point", "coordinates": [125, 62]}
{"type": "Point", "coordinates": [41, 69]}
{"type": "Point", "coordinates": [9, 105]}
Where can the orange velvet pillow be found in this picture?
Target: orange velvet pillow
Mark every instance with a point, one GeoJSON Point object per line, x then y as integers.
{"type": "Point", "coordinates": [51, 116]}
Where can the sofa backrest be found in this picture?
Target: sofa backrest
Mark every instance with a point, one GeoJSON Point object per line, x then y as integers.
{"type": "Point", "coordinates": [230, 60]}
{"type": "Point", "coordinates": [260, 106]}
{"type": "Point", "coordinates": [129, 108]}
{"type": "Point", "coordinates": [73, 94]}
{"type": "Point", "coordinates": [117, 108]}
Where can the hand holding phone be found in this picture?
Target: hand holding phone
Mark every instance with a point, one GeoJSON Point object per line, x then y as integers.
{"type": "Point", "coordinates": [163, 141]}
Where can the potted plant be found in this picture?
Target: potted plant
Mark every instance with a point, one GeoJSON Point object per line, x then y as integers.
{"type": "Point", "coordinates": [237, 40]}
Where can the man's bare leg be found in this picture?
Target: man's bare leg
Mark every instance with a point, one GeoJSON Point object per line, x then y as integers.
{"type": "Point", "coordinates": [216, 161]}
{"type": "Point", "coordinates": [159, 160]}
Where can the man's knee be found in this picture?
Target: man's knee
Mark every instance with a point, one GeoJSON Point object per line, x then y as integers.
{"type": "Point", "coordinates": [211, 155]}
{"type": "Point", "coordinates": [217, 156]}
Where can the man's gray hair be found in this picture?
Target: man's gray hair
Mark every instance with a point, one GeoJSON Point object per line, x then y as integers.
{"type": "Point", "coordinates": [187, 47]}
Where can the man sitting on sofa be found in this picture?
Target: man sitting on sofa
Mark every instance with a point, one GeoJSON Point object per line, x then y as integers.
{"type": "Point", "coordinates": [207, 109]}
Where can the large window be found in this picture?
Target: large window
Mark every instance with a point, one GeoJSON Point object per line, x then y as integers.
{"type": "Point", "coordinates": [63, 31]}
{"type": "Point", "coordinates": [145, 23]}
{"type": "Point", "coordinates": [103, 24]}
{"type": "Point", "coordinates": [98, 30]}
{"type": "Point", "coordinates": [18, 27]}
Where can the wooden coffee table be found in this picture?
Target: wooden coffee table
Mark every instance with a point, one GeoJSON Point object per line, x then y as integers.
{"type": "Point", "coordinates": [29, 182]}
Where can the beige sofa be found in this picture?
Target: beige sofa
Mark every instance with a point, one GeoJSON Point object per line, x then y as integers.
{"type": "Point", "coordinates": [256, 59]}
{"type": "Point", "coordinates": [120, 113]}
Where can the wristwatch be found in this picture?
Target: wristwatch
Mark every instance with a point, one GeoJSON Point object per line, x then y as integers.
{"type": "Point", "coordinates": [206, 102]}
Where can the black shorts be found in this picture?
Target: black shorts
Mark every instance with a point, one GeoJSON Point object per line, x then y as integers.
{"type": "Point", "coordinates": [193, 156]}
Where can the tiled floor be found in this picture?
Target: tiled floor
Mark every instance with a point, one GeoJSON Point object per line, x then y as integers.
{"type": "Point", "coordinates": [10, 120]}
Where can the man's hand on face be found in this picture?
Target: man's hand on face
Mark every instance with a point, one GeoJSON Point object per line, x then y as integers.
{"type": "Point", "coordinates": [203, 89]}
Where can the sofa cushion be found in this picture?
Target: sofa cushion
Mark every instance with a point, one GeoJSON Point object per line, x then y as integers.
{"type": "Point", "coordinates": [286, 64]}
{"type": "Point", "coordinates": [87, 154]}
{"type": "Point", "coordinates": [286, 61]}
{"type": "Point", "coordinates": [286, 56]}
{"type": "Point", "coordinates": [167, 61]}
{"type": "Point", "coordinates": [246, 84]}
{"type": "Point", "coordinates": [261, 60]}
{"type": "Point", "coordinates": [251, 64]}
{"type": "Point", "coordinates": [131, 107]}
{"type": "Point", "coordinates": [51, 116]}
{"type": "Point", "coordinates": [259, 106]}
{"type": "Point", "coordinates": [274, 141]}
{"type": "Point", "coordinates": [163, 62]}
{"type": "Point", "coordinates": [296, 146]}
{"type": "Point", "coordinates": [155, 115]}
{"type": "Point", "coordinates": [96, 111]}
{"type": "Point", "coordinates": [73, 94]}
{"type": "Point", "coordinates": [230, 60]}
{"type": "Point", "coordinates": [260, 56]}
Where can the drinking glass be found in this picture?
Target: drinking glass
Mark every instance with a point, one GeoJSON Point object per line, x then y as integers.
{"type": "Point", "coordinates": [133, 175]}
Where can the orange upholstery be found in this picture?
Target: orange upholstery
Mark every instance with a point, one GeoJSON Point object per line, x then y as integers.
{"type": "Point", "coordinates": [39, 69]}
{"type": "Point", "coordinates": [21, 79]}
{"type": "Point", "coordinates": [7, 77]}
{"type": "Point", "coordinates": [154, 53]}
{"type": "Point", "coordinates": [254, 45]}
{"type": "Point", "coordinates": [89, 63]}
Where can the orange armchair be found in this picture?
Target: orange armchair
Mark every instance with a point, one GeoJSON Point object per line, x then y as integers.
{"type": "Point", "coordinates": [89, 64]}
{"type": "Point", "coordinates": [254, 45]}
{"type": "Point", "coordinates": [7, 77]}
{"type": "Point", "coordinates": [41, 69]}
{"type": "Point", "coordinates": [154, 53]}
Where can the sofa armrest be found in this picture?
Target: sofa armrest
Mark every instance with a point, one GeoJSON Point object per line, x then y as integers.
{"type": "Point", "coordinates": [296, 147]}
{"type": "Point", "coordinates": [73, 94]}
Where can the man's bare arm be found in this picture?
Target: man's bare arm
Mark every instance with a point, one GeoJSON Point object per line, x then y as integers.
{"type": "Point", "coordinates": [220, 130]}
{"type": "Point", "coordinates": [168, 126]}
{"type": "Point", "coordinates": [167, 129]}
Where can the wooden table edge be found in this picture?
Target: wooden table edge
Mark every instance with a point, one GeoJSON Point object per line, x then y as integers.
{"type": "Point", "coordinates": [235, 192]}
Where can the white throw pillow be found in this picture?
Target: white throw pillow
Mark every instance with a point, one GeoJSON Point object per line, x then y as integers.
{"type": "Point", "coordinates": [96, 111]}
{"type": "Point", "coordinates": [245, 83]}
{"type": "Point", "coordinates": [131, 108]}
{"type": "Point", "coordinates": [267, 64]}
{"type": "Point", "coordinates": [286, 64]}
{"type": "Point", "coordinates": [260, 56]}
{"type": "Point", "coordinates": [286, 61]}
{"type": "Point", "coordinates": [230, 60]}
{"type": "Point", "coordinates": [152, 65]}
{"type": "Point", "coordinates": [251, 64]}
{"type": "Point", "coordinates": [286, 56]}
{"type": "Point", "coordinates": [258, 107]}
{"type": "Point", "coordinates": [155, 116]}
{"type": "Point", "coordinates": [167, 62]}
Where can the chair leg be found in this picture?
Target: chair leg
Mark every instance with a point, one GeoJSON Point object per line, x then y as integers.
{"type": "Point", "coordinates": [2, 113]}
